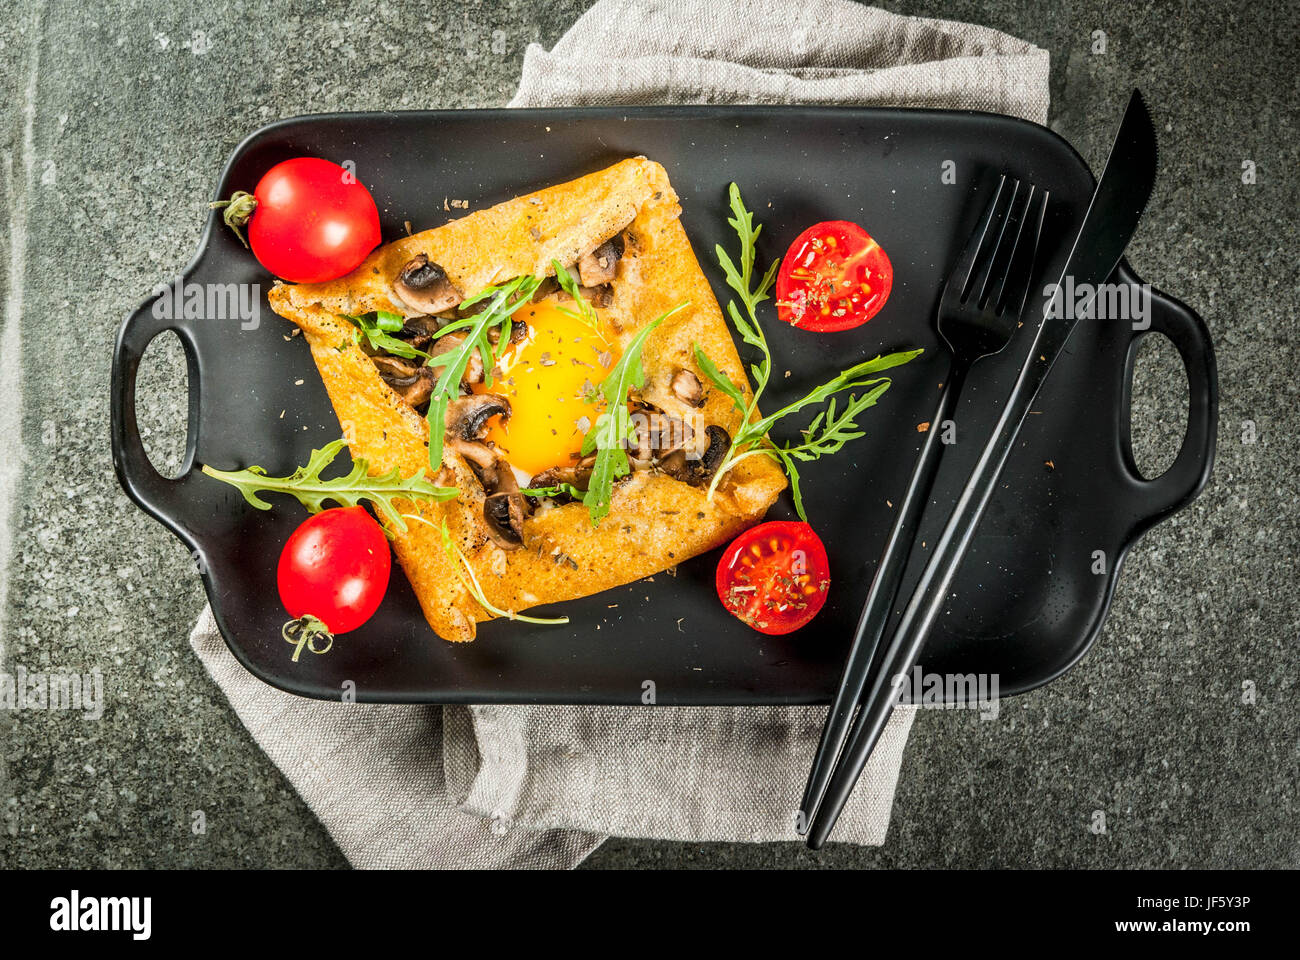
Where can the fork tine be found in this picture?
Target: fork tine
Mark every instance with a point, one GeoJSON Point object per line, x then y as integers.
{"type": "Point", "coordinates": [995, 266]}
{"type": "Point", "coordinates": [1020, 268]}
{"type": "Point", "coordinates": [1001, 277]}
{"type": "Point", "coordinates": [1004, 257]}
{"type": "Point", "coordinates": [959, 280]}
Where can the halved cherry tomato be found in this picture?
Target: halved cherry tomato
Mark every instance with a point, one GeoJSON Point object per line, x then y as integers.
{"type": "Point", "coordinates": [833, 277]}
{"type": "Point", "coordinates": [775, 576]}
{"type": "Point", "coordinates": [308, 220]}
{"type": "Point", "coordinates": [334, 568]}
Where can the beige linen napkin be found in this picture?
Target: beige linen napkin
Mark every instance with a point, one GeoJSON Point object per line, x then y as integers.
{"type": "Point", "coordinates": [495, 786]}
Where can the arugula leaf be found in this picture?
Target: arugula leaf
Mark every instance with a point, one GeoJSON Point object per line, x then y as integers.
{"type": "Point", "coordinates": [796, 487]}
{"type": "Point", "coordinates": [613, 427]}
{"type": "Point", "coordinates": [567, 489]}
{"type": "Point", "coordinates": [502, 302]}
{"type": "Point", "coordinates": [585, 311]}
{"type": "Point", "coordinates": [829, 430]}
{"type": "Point", "coordinates": [389, 321]}
{"type": "Point", "coordinates": [306, 484]}
{"type": "Point", "coordinates": [377, 330]}
{"type": "Point", "coordinates": [470, 582]}
{"type": "Point", "coordinates": [710, 370]}
{"type": "Point", "coordinates": [742, 281]}
{"type": "Point", "coordinates": [849, 379]}
{"type": "Point", "coordinates": [835, 431]}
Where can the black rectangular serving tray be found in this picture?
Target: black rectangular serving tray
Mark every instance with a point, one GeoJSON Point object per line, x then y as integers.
{"type": "Point", "coordinates": [1026, 603]}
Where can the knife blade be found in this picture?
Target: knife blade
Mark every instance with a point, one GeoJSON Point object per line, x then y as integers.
{"type": "Point", "coordinates": [1116, 207]}
{"type": "Point", "coordinates": [1113, 213]}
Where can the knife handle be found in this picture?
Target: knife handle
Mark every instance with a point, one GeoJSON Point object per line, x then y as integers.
{"type": "Point", "coordinates": [927, 600]}
{"type": "Point", "coordinates": [881, 597]}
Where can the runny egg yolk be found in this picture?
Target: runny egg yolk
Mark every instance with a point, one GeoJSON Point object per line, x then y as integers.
{"type": "Point", "coordinates": [546, 376]}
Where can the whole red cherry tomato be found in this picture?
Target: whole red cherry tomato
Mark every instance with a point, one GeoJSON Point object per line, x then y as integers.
{"type": "Point", "coordinates": [334, 569]}
{"type": "Point", "coordinates": [833, 277]}
{"type": "Point", "coordinates": [308, 220]}
{"type": "Point", "coordinates": [775, 576]}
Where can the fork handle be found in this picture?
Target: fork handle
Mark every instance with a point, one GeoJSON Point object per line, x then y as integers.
{"type": "Point", "coordinates": [880, 601]}
{"type": "Point", "coordinates": [927, 599]}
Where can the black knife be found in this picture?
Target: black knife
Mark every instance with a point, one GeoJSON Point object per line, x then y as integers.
{"type": "Point", "coordinates": [1117, 205]}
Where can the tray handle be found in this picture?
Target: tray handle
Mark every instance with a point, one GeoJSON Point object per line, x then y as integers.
{"type": "Point", "coordinates": [1190, 471]}
{"type": "Point", "coordinates": [158, 495]}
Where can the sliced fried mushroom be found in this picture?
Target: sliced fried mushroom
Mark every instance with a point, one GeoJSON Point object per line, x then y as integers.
{"type": "Point", "coordinates": [554, 477]}
{"type": "Point", "coordinates": [601, 296]}
{"type": "Point", "coordinates": [599, 266]}
{"type": "Point", "coordinates": [504, 507]}
{"type": "Point", "coordinates": [426, 326]}
{"type": "Point", "coordinates": [686, 387]}
{"type": "Point", "coordinates": [485, 461]}
{"type": "Point", "coordinates": [419, 341]}
{"type": "Point", "coordinates": [677, 466]}
{"type": "Point", "coordinates": [424, 286]}
{"type": "Point", "coordinates": [576, 475]}
{"type": "Point", "coordinates": [504, 514]}
{"type": "Point", "coordinates": [640, 448]}
{"type": "Point", "coordinates": [546, 288]}
{"type": "Point", "coordinates": [410, 382]}
{"type": "Point", "coordinates": [719, 444]}
{"type": "Point", "coordinates": [467, 417]}
{"type": "Point", "coordinates": [657, 433]}
{"type": "Point", "coordinates": [582, 471]}
{"type": "Point", "coordinates": [419, 331]}
{"type": "Point", "coordinates": [395, 368]}
{"type": "Point", "coordinates": [518, 330]}
{"type": "Point", "coordinates": [473, 369]}
{"type": "Point", "coordinates": [676, 435]}
{"type": "Point", "coordinates": [700, 470]}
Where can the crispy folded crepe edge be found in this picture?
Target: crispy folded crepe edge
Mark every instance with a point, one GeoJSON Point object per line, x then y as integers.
{"type": "Point", "coordinates": [655, 521]}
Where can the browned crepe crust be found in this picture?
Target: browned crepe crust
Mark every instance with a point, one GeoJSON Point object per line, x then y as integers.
{"type": "Point", "coordinates": [654, 521]}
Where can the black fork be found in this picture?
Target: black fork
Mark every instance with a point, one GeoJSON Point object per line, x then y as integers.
{"type": "Point", "coordinates": [979, 311]}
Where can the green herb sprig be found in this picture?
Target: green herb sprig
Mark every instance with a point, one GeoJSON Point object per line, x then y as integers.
{"type": "Point", "coordinates": [565, 489]}
{"type": "Point", "coordinates": [312, 492]}
{"type": "Point", "coordinates": [582, 310]}
{"type": "Point", "coordinates": [830, 429]}
{"type": "Point", "coordinates": [501, 303]}
{"type": "Point", "coordinates": [378, 331]}
{"type": "Point", "coordinates": [613, 427]}
{"type": "Point", "coordinates": [466, 575]}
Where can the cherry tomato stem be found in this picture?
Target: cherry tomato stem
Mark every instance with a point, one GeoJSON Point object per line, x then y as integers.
{"type": "Point", "coordinates": [236, 212]}
{"type": "Point", "coordinates": [307, 632]}
{"type": "Point", "coordinates": [332, 574]}
{"type": "Point", "coordinates": [307, 221]}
